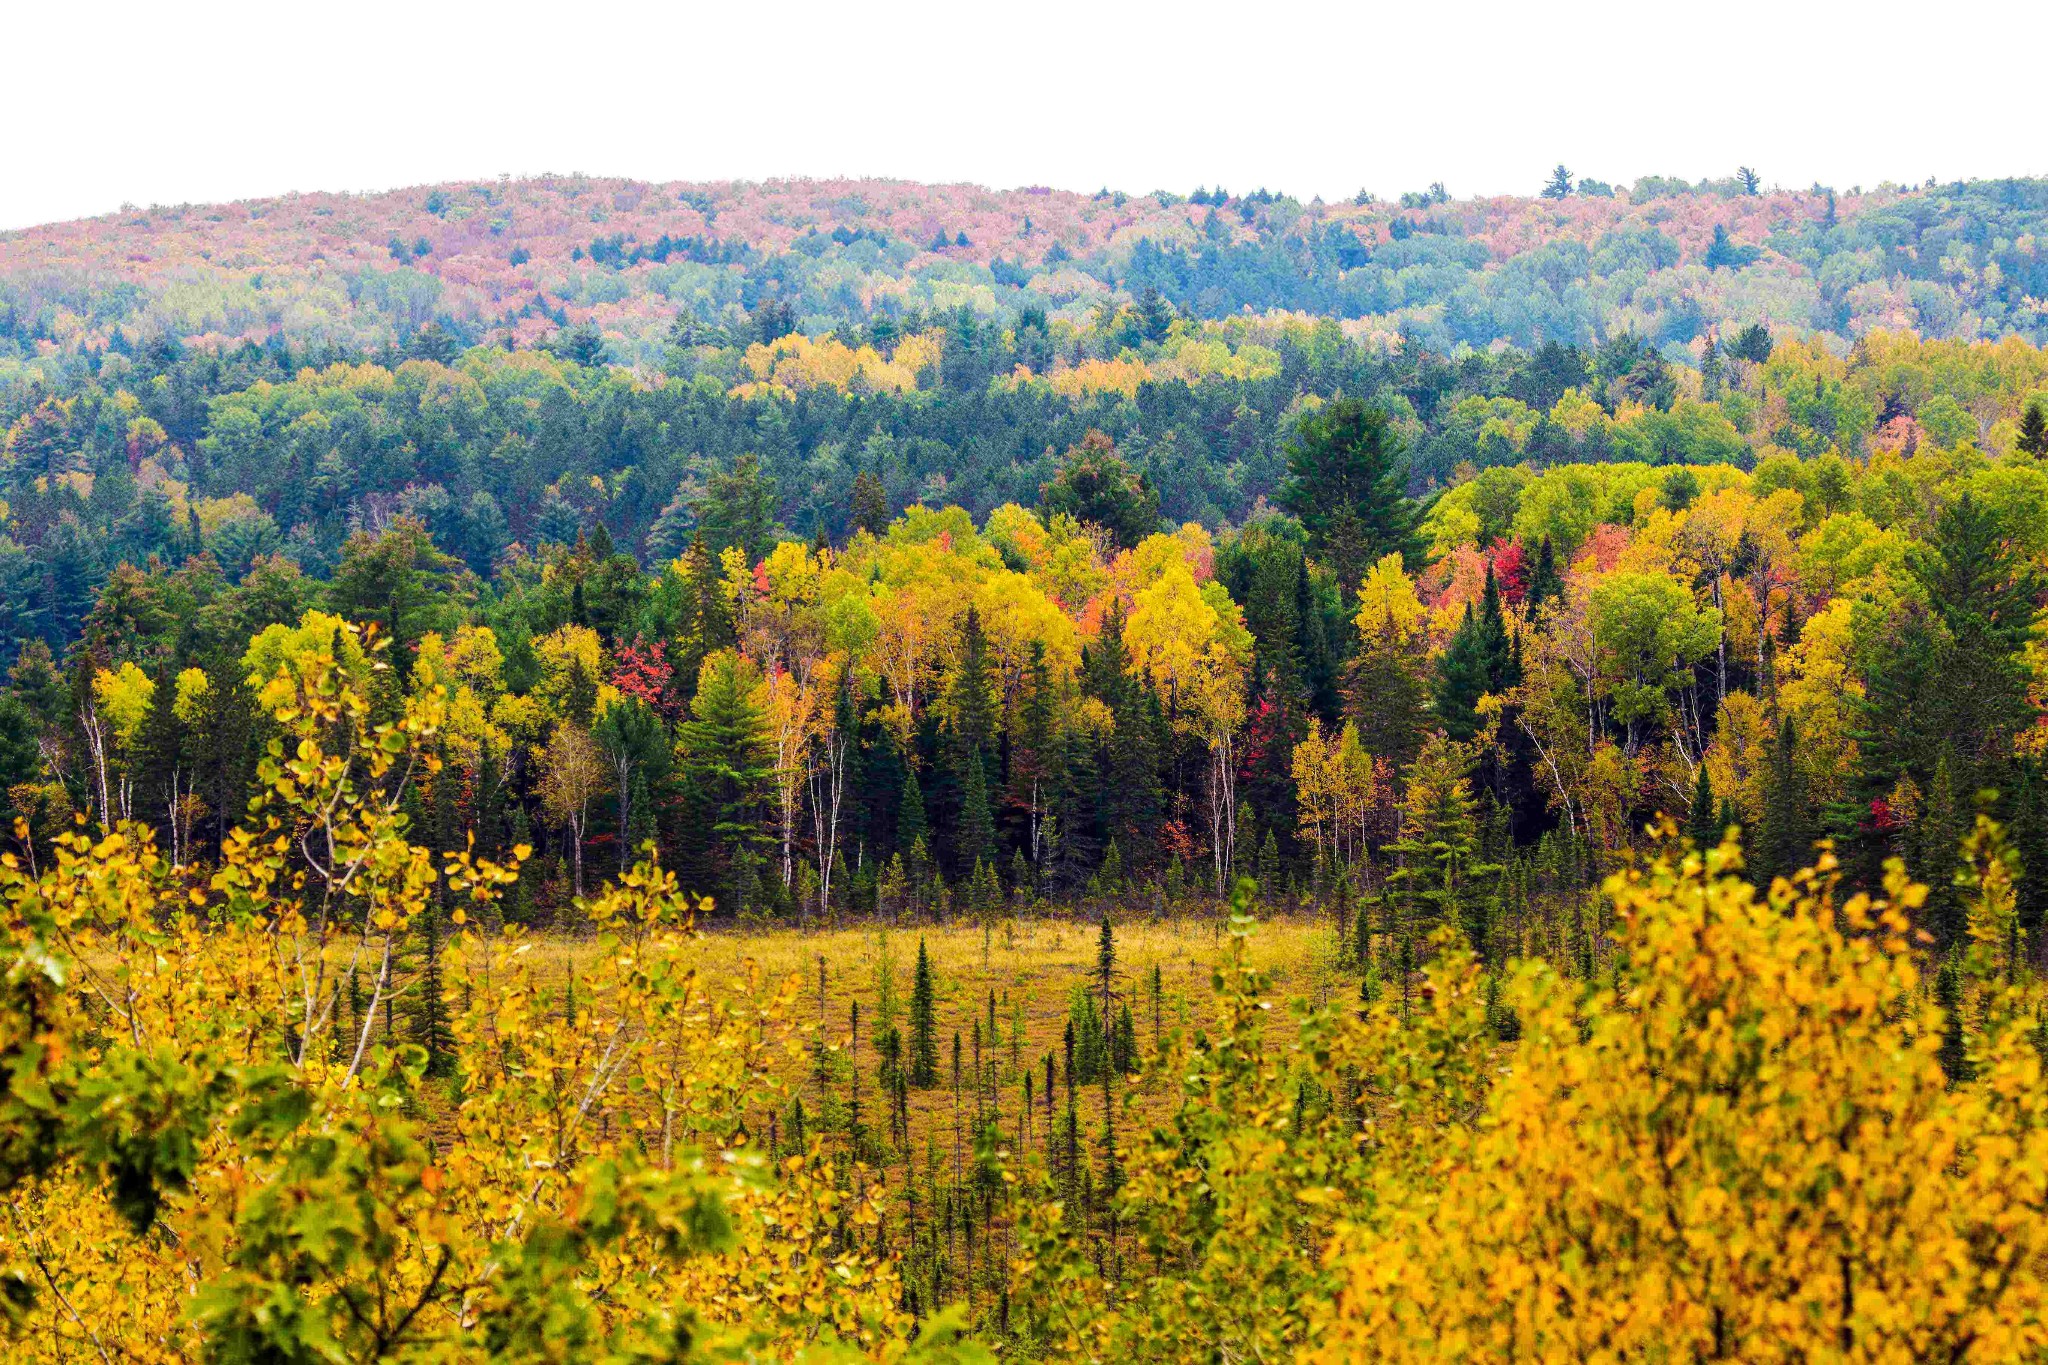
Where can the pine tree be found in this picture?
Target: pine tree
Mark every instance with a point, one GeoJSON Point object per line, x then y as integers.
{"type": "Point", "coordinates": [1461, 679]}
{"type": "Point", "coordinates": [924, 1035]}
{"type": "Point", "coordinates": [1711, 369]}
{"type": "Point", "coordinates": [728, 767]}
{"type": "Point", "coordinates": [1131, 799]}
{"type": "Point", "coordinates": [910, 819]}
{"type": "Point", "coordinates": [1035, 755]}
{"type": "Point", "coordinates": [1479, 660]}
{"type": "Point", "coordinates": [2033, 433]}
{"type": "Point", "coordinates": [1438, 864]}
{"type": "Point", "coordinates": [1784, 838]}
{"type": "Point", "coordinates": [974, 834]}
{"type": "Point", "coordinates": [870, 503]}
{"type": "Point", "coordinates": [1105, 963]}
{"type": "Point", "coordinates": [1948, 995]}
{"type": "Point", "coordinates": [1348, 482]}
{"type": "Point", "coordinates": [1545, 584]}
{"type": "Point", "coordinates": [973, 716]}
{"type": "Point", "coordinates": [669, 537]}
{"type": "Point", "coordinates": [1699, 822]}
{"type": "Point", "coordinates": [1943, 822]}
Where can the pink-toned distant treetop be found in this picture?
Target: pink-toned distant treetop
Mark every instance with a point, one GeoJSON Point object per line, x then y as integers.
{"type": "Point", "coordinates": [521, 259]}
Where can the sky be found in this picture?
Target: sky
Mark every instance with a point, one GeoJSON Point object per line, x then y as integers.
{"type": "Point", "coordinates": [212, 100]}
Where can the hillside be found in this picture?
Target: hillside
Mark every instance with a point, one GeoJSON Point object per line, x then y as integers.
{"type": "Point", "coordinates": [518, 259]}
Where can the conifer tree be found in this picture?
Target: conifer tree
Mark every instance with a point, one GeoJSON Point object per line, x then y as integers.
{"type": "Point", "coordinates": [974, 833]}
{"type": "Point", "coordinates": [1783, 839]}
{"type": "Point", "coordinates": [1938, 839]}
{"type": "Point", "coordinates": [1348, 482]}
{"type": "Point", "coordinates": [1545, 583]}
{"type": "Point", "coordinates": [1105, 963]}
{"type": "Point", "coordinates": [1699, 821]}
{"type": "Point", "coordinates": [1438, 866]}
{"type": "Point", "coordinates": [1948, 994]}
{"type": "Point", "coordinates": [1035, 755]}
{"type": "Point", "coordinates": [1269, 867]}
{"type": "Point", "coordinates": [924, 1035]}
{"type": "Point", "coordinates": [870, 503]}
{"type": "Point", "coordinates": [727, 764]}
{"type": "Point", "coordinates": [910, 819]}
{"type": "Point", "coordinates": [1109, 878]}
{"type": "Point", "coordinates": [2033, 433]}
{"type": "Point", "coordinates": [1480, 659]}
{"type": "Point", "coordinates": [1131, 800]}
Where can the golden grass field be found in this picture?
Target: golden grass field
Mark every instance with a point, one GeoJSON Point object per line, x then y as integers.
{"type": "Point", "coordinates": [1032, 965]}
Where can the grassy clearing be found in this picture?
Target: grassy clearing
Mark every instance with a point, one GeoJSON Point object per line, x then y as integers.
{"type": "Point", "coordinates": [1033, 967]}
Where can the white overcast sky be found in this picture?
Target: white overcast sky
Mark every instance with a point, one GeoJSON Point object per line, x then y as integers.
{"type": "Point", "coordinates": [202, 101]}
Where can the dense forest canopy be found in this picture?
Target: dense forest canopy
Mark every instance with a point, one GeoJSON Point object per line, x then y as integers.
{"type": "Point", "coordinates": [1573, 616]}
{"type": "Point", "coordinates": [1663, 259]}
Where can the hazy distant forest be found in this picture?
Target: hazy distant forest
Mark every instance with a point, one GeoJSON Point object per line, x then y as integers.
{"type": "Point", "coordinates": [607, 771]}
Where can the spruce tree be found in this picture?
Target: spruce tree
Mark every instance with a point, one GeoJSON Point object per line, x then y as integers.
{"type": "Point", "coordinates": [910, 818]}
{"type": "Point", "coordinates": [1105, 963]}
{"type": "Point", "coordinates": [1944, 820]}
{"type": "Point", "coordinates": [1784, 839]}
{"type": "Point", "coordinates": [1438, 865]}
{"type": "Point", "coordinates": [924, 1033]}
{"type": "Point", "coordinates": [1699, 822]}
{"type": "Point", "coordinates": [870, 503]}
{"type": "Point", "coordinates": [1132, 801]}
{"type": "Point", "coordinates": [974, 834]}
{"type": "Point", "coordinates": [2033, 433]}
{"type": "Point", "coordinates": [1545, 583]}
{"type": "Point", "coordinates": [1348, 482]}
{"type": "Point", "coordinates": [1948, 994]}
{"type": "Point", "coordinates": [1461, 679]}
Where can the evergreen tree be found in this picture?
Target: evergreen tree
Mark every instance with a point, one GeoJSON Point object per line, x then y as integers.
{"type": "Point", "coordinates": [1784, 837]}
{"type": "Point", "coordinates": [2033, 433]}
{"type": "Point", "coordinates": [1954, 1054]}
{"type": "Point", "coordinates": [910, 821]}
{"type": "Point", "coordinates": [1348, 482]}
{"type": "Point", "coordinates": [1699, 822]}
{"type": "Point", "coordinates": [1938, 837]}
{"type": "Point", "coordinates": [728, 767]}
{"type": "Point", "coordinates": [974, 834]}
{"type": "Point", "coordinates": [870, 503]}
{"type": "Point", "coordinates": [1105, 963]}
{"type": "Point", "coordinates": [1438, 868]}
{"type": "Point", "coordinates": [670, 536]}
{"type": "Point", "coordinates": [1479, 660]}
{"type": "Point", "coordinates": [924, 1035]}
{"type": "Point", "coordinates": [1560, 184]}
{"type": "Point", "coordinates": [738, 509]}
{"type": "Point", "coordinates": [1035, 754]}
{"type": "Point", "coordinates": [1461, 680]}
{"type": "Point", "coordinates": [1131, 799]}
{"type": "Point", "coordinates": [970, 747]}
{"type": "Point", "coordinates": [708, 624]}
{"type": "Point", "coordinates": [1545, 583]}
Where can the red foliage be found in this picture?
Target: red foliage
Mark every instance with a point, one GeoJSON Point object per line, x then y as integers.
{"type": "Point", "coordinates": [1603, 548]}
{"type": "Point", "coordinates": [1510, 570]}
{"type": "Point", "coordinates": [643, 673]}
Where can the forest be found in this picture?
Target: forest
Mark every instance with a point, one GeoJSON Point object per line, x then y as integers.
{"type": "Point", "coordinates": [1103, 795]}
